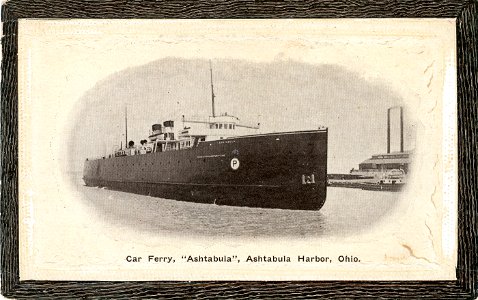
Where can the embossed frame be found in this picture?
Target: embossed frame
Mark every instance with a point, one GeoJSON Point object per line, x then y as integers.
{"type": "Point", "coordinates": [466, 13]}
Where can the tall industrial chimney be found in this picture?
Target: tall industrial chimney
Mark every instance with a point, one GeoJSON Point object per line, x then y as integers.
{"type": "Point", "coordinates": [401, 128]}
{"type": "Point", "coordinates": [388, 130]}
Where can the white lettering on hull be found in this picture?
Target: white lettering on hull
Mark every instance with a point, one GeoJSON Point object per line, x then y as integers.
{"type": "Point", "coordinates": [211, 156]}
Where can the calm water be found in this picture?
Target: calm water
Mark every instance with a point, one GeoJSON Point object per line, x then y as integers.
{"type": "Point", "coordinates": [346, 211]}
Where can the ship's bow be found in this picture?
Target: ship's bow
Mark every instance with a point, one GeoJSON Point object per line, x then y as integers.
{"type": "Point", "coordinates": [285, 170]}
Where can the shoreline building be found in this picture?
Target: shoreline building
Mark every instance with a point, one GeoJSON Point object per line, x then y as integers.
{"type": "Point", "coordinates": [386, 162]}
{"type": "Point", "coordinates": [380, 164]}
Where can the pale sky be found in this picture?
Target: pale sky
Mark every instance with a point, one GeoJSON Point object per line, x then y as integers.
{"type": "Point", "coordinates": [77, 75]}
{"type": "Point", "coordinates": [282, 96]}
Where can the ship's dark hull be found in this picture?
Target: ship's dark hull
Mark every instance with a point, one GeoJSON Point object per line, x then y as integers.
{"type": "Point", "coordinates": [283, 170]}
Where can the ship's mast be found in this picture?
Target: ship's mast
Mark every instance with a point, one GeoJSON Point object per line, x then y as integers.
{"type": "Point", "coordinates": [126, 125]}
{"type": "Point", "coordinates": [212, 92]}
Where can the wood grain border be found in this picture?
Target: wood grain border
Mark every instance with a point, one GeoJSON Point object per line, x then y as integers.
{"type": "Point", "coordinates": [466, 13]}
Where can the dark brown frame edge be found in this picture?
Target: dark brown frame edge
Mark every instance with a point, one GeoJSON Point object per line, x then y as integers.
{"type": "Point", "coordinates": [466, 13]}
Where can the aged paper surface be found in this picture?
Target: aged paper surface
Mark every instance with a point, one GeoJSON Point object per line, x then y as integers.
{"type": "Point", "coordinates": [77, 76]}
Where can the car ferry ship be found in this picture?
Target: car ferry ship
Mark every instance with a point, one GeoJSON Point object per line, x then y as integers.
{"type": "Point", "coordinates": [219, 160]}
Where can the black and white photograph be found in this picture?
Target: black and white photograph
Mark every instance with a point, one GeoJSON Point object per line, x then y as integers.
{"type": "Point", "coordinates": [237, 149]}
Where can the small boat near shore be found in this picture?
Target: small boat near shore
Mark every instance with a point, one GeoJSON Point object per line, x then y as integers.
{"type": "Point", "coordinates": [393, 181]}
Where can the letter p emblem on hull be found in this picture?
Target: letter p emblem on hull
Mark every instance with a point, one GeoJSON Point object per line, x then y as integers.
{"type": "Point", "coordinates": [235, 163]}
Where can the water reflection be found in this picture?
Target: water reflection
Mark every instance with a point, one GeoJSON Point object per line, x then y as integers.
{"type": "Point", "coordinates": [346, 211]}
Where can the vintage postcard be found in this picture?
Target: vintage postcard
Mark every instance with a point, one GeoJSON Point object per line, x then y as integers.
{"type": "Point", "coordinates": [237, 149]}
